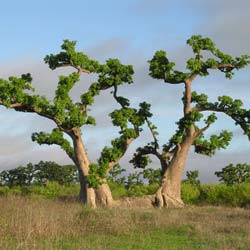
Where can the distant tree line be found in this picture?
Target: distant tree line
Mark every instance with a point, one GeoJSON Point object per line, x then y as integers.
{"type": "Point", "coordinates": [39, 174]}
{"type": "Point", "coordinates": [44, 172]}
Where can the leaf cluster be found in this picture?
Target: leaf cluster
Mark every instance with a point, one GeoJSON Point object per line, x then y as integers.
{"type": "Point", "coordinates": [55, 137]}
{"type": "Point", "coordinates": [161, 68]}
{"type": "Point", "coordinates": [209, 147]}
{"type": "Point", "coordinates": [14, 90]}
{"type": "Point", "coordinates": [70, 57]}
{"type": "Point", "coordinates": [226, 105]}
{"type": "Point", "coordinates": [219, 60]}
{"type": "Point", "coordinates": [192, 178]}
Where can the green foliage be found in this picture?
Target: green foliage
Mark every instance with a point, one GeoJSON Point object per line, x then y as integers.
{"type": "Point", "coordinates": [14, 89]}
{"type": "Point", "coordinates": [212, 194]}
{"type": "Point", "coordinates": [56, 137]}
{"type": "Point", "coordinates": [140, 158]}
{"type": "Point", "coordinates": [50, 190]}
{"type": "Point", "coordinates": [161, 68]}
{"type": "Point", "coordinates": [114, 175]}
{"type": "Point", "coordinates": [17, 177]}
{"type": "Point", "coordinates": [190, 193]}
{"type": "Point", "coordinates": [192, 178]}
{"type": "Point", "coordinates": [142, 190]}
{"type": "Point", "coordinates": [118, 190]}
{"type": "Point", "coordinates": [70, 116]}
{"type": "Point", "coordinates": [133, 179]}
{"type": "Point", "coordinates": [227, 105]}
{"type": "Point", "coordinates": [183, 124]}
{"type": "Point", "coordinates": [216, 194]}
{"type": "Point", "coordinates": [234, 174]}
{"type": "Point", "coordinates": [209, 147]}
{"type": "Point", "coordinates": [70, 57]}
{"type": "Point", "coordinates": [130, 122]}
{"type": "Point", "coordinates": [152, 175]}
{"type": "Point", "coordinates": [223, 62]}
{"type": "Point", "coordinates": [39, 174]}
{"type": "Point", "coordinates": [232, 195]}
{"type": "Point", "coordinates": [51, 172]}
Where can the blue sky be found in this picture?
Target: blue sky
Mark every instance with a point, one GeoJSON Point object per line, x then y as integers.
{"type": "Point", "coordinates": [131, 30]}
{"type": "Point", "coordinates": [38, 26]}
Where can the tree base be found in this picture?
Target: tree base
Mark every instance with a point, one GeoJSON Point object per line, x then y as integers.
{"type": "Point", "coordinates": [164, 199]}
{"type": "Point", "coordinates": [103, 196]}
{"type": "Point", "coordinates": [100, 197]}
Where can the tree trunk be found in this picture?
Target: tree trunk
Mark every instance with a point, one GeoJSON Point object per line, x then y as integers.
{"type": "Point", "coordinates": [86, 194]}
{"type": "Point", "coordinates": [169, 192]}
{"type": "Point", "coordinates": [89, 196]}
{"type": "Point", "coordinates": [103, 195]}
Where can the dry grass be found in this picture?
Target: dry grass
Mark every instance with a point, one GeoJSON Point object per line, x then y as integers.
{"type": "Point", "coordinates": [27, 223]}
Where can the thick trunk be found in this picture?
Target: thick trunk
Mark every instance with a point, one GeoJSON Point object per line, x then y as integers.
{"type": "Point", "coordinates": [104, 196]}
{"type": "Point", "coordinates": [86, 194]}
{"type": "Point", "coordinates": [169, 192]}
{"type": "Point", "coordinates": [89, 196]}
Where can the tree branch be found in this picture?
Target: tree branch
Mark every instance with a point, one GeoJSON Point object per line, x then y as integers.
{"type": "Point", "coordinates": [113, 163]}
{"type": "Point", "coordinates": [55, 137]}
{"type": "Point", "coordinates": [201, 131]}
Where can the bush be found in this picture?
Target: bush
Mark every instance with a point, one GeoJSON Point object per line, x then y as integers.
{"type": "Point", "coordinates": [141, 190]}
{"type": "Point", "coordinates": [190, 193]}
{"type": "Point", "coordinates": [51, 190]}
{"type": "Point", "coordinates": [4, 191]}
{"type": "Point", "coordinates": [222, 194]}
{"type": "Point", "coordinates": [212, 194]}
{"type": "Point", "coordinates": [118, 190]}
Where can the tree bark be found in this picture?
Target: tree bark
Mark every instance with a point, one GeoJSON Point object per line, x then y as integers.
{"type": "Point", "coordinates": [101, 196]}
{"type": "Point", "coordinates": [169, 192]}
{"type": "Point", "coordinates": [86, 194]}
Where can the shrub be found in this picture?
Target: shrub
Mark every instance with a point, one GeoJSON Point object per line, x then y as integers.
{"type": "Point", "coordinates": [190, 193]}
{"type": "Point", "coordinates": [118, 190]}
{"type": "Point", "coordinates": [222, 194]}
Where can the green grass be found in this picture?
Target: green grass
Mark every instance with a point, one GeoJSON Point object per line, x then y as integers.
{"type": "Point", "coordinates": [36, 223]}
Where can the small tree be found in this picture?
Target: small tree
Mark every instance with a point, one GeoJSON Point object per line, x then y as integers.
{"type": "Point", "coordinates": [152, 175]}
{"type": "Point", "coordinates": [70, 117]}
{"type": "Point", "coordinates": [114, 175]}
{"type": "Point", "coordinates": [192, 177]}
{"type": "Point", "coordinates": [173, 154]}
{"type": "Point", "coordinates": [234, 174]}
{"type": "Point", "coordinates": [134, 179]}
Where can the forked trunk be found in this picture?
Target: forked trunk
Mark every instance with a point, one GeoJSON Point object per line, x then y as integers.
{"type": "Point", "coordinates": [89, 196]}
{"type": "Point", "coordinates": [169, 192]}
{"type": "Point", "coordinates": [101, 196]}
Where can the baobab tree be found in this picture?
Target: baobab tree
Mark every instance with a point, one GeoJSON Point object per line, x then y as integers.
{"type": "Point", "coordinates": [172, 155]}
{"type": "Point", "coordinates": [70, 117]}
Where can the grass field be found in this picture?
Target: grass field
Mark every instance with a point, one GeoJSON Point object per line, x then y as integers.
{"type": "Point", "coordinates": [37, 223]}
